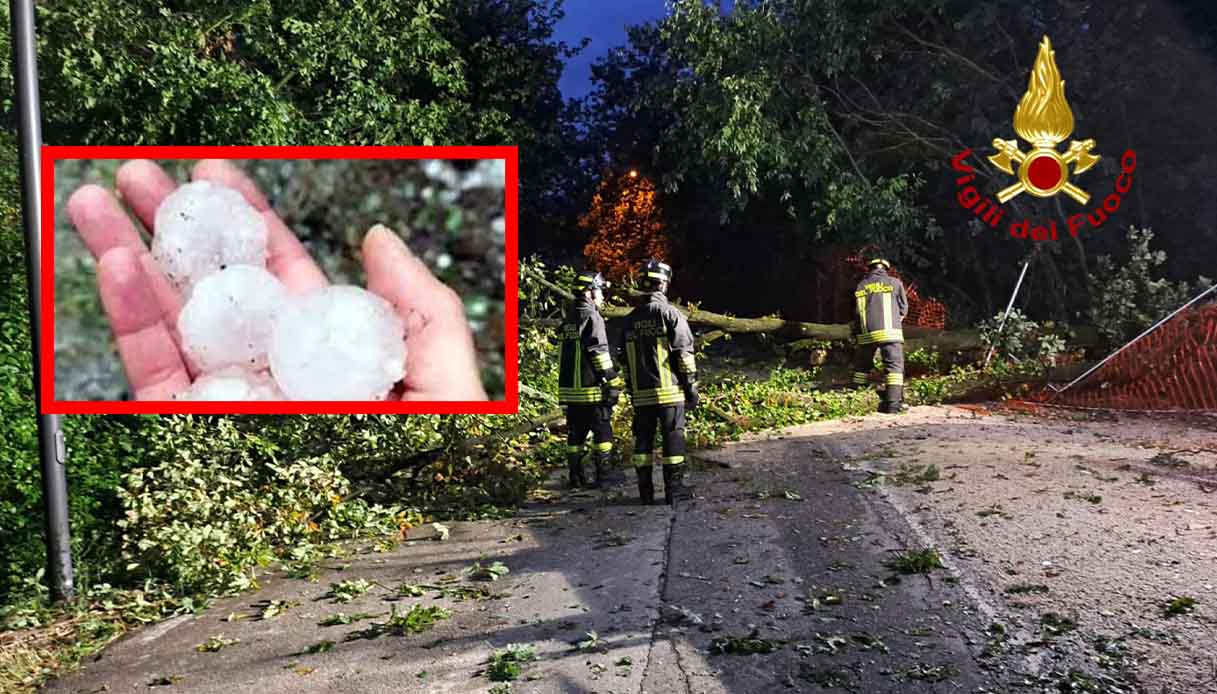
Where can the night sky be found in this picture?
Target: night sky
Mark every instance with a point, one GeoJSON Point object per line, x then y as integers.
{"type": "Point", "coordinates": [604, 22]}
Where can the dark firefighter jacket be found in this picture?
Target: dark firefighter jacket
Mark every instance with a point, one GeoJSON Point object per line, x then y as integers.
{"type": "Point", "coordinates": [658, 353]}
{"type": "Point", "coordinates": [881, 306]}
{"type": "Point", "coordinates": [585, 363]}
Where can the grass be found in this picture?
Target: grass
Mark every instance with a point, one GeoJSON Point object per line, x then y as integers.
{"type": "Point", "coordinates": [921, 561]}
{"type": "Point", "coordinates": [38, 642]}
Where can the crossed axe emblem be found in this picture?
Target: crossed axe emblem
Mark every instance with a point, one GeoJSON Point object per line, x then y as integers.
{"type": "Point", "coordinates": [1043, 172]}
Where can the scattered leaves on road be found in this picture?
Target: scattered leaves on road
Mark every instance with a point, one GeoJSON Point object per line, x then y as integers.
{"type": "Point", "coordinates": [215, 643]}
{"type": "Point", "coordinates": [506, 664]}
{"type": "Point", "coordinates": [320, 647]}
{"type": "Point", "coordinates": [491, 572]}
{"type": "Point", "coordinates": [346, 591]}
{"type": "Point", "coordinates": [1023, 588]}
{"type": "Point", "coordinates": [1180, 605]}
{"type": "Point", "coordinates": [921, 561]}
{"type": "Point", "coordinates": [274, 608]}
{"type": "Point", "coordinates": [343, 618]}
{"type": "Point", "coordinates": [744, 645]}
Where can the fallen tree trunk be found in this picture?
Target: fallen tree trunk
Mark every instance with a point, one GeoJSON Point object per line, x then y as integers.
{"type": "Point", "coordinates": [810, 333]}
{"type": "Point", "coordinates": [942, 340]}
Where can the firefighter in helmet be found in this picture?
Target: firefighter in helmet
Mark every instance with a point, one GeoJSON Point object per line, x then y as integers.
{"type": "Point", "coordinates": [662, 378]}
{"type": "Point", "coordinates": [881, 308]}
{"type": "Point", "coordinates": [588, 385]}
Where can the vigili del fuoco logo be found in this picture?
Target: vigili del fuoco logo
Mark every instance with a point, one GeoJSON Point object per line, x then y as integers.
{"type": "Point", "coordinates": [1043, 119]}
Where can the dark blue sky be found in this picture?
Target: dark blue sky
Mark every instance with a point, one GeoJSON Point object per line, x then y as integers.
{"type": "Point", "coordinates": [604, 22]}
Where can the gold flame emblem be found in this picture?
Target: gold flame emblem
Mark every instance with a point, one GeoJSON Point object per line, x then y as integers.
{"type": "Point", "coordinates": [1044, 119]}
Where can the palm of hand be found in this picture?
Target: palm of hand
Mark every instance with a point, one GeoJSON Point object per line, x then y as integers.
{"type": "Point", "coordinates": [143, 307]}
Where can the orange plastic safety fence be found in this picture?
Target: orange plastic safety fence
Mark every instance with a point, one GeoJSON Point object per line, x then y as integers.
{"type": "Point", "coordinates": [1172, 368]}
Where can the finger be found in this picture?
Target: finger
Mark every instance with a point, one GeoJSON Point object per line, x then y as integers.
{"type": "Point", "coordinates": [104, 226]}
{"type": "Point", "coordinates": [144, 185]}
{"type": "Point", "coordinates": [441, 363]}
{"type": "Point", "coordinates": [401, 277]}
{"type": "Point", "coordinates": [149, 354]}
{"type": "Point", "coordinates": [101, 221]}
{"type": "Point", "coordinates": [288, 259]}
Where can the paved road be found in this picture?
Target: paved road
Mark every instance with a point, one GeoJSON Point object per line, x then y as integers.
{"type": "Point", "coordinates": [785, 542]}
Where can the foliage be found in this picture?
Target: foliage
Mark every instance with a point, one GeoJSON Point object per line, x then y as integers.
{"type": "Point", "coordinates": [923, 359]}
{"type": "Point", "coordinates": [346, 591]}
{"type": "Point", "coordinates": [488, 572]}
{"type": "Point", "coordinates": [921, 561]}
{"type": "Point", "coordinates": [1129, 298]}
{"type": "Point", "coordinates": [1022, 338]}
{"type": "Point", "coordinates": [1180, 605]}
{"type": "Point", "coordinates": [744, 645]}
{"type": "Point", "coordinates": [627, 226]}
{"type": "Point", "coordinates": [733, 404]}
{"type": "Point", "coordinates": [36, 642]}
{"type": "Point", "coordinates": [506, 664]}
{"type": "Point", "coordinates": [416, 620]}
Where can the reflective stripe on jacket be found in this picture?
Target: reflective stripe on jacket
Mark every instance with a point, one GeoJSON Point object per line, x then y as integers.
{"type": "Point", "coordinates": [881, 307]}
{"type": "Point", "coordinates": [584, 364]}
{"type": "Point", "coordinates": [658, 353]}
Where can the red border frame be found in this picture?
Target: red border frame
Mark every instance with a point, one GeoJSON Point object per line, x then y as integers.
{"type": "Point", "coordinates": [510, 405]}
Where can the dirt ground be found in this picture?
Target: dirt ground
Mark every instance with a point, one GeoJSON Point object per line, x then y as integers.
{"type": "Point", "coordinates": [1066, 539]}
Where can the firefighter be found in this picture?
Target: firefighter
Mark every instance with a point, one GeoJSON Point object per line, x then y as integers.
{"type": "Point", "coordinates": [662, 377]}
{"type": "Point", "coordinates": [881, 306]}
{"type": "Point", "coordinates": [588, 385]}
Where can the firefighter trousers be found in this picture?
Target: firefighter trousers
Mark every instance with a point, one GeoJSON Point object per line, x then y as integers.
{"type": "Point", "coordinates": [670, 421]}
{"type": "Point", "coordinates": [892, 354]}
{"type": "Point", "coordinates": [582, 419]}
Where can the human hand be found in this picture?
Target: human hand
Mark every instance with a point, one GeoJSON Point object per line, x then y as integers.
{"type": "Point", "coordinates": [609, 395]}
{"type": "Point", "coordinates": [692, 398]}
{"type": "Point", "coordinates": [143, 307]}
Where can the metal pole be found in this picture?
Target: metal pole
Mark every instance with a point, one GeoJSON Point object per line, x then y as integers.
{"type": "Point", "coordinates": [1002, 324]}
{"type": "Point", "coordinates": [1128, 344]}
{"type": "Point", "coordinates": [51, 445]}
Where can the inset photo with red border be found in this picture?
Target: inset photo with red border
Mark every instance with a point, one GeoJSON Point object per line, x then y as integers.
{"type": "Point", "coordinates": [279, 280]}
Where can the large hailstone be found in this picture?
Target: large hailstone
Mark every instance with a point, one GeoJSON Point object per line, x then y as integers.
{"type": "Point", "coordinates": [203, 227]}
{"type": "Point", "coordinates": [227, 320]}
{"type": "Point", "coordinates": [234, 383]}
{"type": "Point", "coordinates": [337, 343]}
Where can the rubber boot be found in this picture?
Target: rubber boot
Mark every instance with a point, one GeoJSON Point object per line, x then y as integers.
{"type": "Point", "coordinates": [674, 486]}
{"type": "Point", "coordinates": [894, 396]}
{"type": "Point", "coordinates": [646, 484]}
{"type": "Point", "coordinates": [574, 467]}
{"type": "Point", "coordinates": [602, 460]}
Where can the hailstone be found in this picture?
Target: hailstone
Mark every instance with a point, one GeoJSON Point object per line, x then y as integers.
{"type": "Point", "coordinates": [227, 320]}
{"type": "Point", "coordinates": [337, 343]}
{"type": "Point", "coordinates": [203, 227]}
{"type": "Point", "coordinates": [232, 383]}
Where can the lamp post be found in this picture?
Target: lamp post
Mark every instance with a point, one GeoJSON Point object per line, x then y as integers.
{"type": "Point", "coordinates": [51, 445]}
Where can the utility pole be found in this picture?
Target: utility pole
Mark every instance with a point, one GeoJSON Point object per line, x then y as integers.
{"type": "Point", "coordinates": [52, 447]}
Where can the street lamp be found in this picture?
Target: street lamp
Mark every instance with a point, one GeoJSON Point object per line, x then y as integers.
{"type": "Point", "coordinates": [51, 447]}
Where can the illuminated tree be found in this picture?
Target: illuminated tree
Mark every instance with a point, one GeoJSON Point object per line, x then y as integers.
{"type": "Point", "coordinates": [626, 224]}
